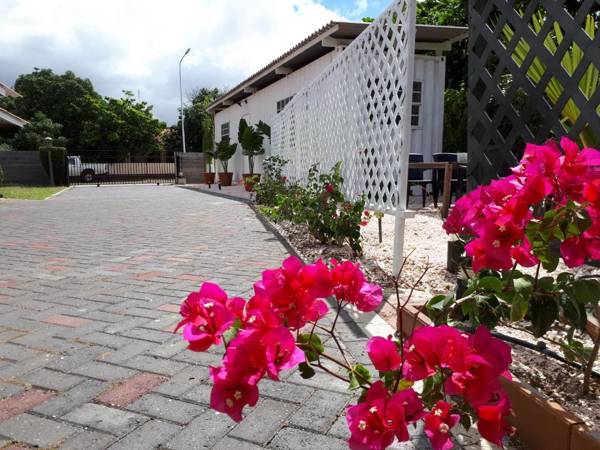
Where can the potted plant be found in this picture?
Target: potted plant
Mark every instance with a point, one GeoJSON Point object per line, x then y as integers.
{"type": "Point", "coordinates": [209, 174]}
{"type": "Point", "coordinates": [225, 150]}
{"type": "Point", "coordinates": [251, 140]}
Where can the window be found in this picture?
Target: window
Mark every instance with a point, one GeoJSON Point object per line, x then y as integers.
{"type": "Point", "coordinates": [415, 118]}
{"type": "Point", "coordinates": [281, 103]}
{"type": "Point", "coordinates": [224, 130]}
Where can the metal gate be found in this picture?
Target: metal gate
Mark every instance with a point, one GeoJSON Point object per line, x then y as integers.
{"type": "Point", "coordinates": [115, 167]}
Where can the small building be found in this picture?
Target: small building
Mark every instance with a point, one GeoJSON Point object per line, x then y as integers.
{"type": "Point", "coordinates": [265, 93]}
{"type": "Point", "coordinates": [9, 123]}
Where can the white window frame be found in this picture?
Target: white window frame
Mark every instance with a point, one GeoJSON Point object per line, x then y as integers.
{"type": "Point", "coordinates": [223, 126]}
{"type": "Point", "coordinates": [418, 104]}
{"type": "Point", "coordinates": [281, 103]}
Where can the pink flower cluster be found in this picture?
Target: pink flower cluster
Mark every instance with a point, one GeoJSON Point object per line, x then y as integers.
{"type": "Point", "coordinates": [471, 367]}
{"type": "Point", "coordinates": [262, 343]}
{"type": "Point", "coordinates": [497, 214]}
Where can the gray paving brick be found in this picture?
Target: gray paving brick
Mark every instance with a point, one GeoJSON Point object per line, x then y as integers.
{"type": "Point", "coordinates": [202, 432]}
{"type": "Point", "coordinates": [228, 443]}
{"type": "Point", "coordinates": [8, 389]}
{"type": "Point", "coordinates": [50, 379]}
{"type": "Point", "coordinates": [261, 424]}
{"type": "Point", "coordinates": [148, 335]}
{"type": "Point", "coordinates": [68, 400]}
{"type": "Point", "coordinates": [104, 371]}
{"type": "Point", "coordinates": [320, 411]}
{"type": "Point", "coordinates": [199, 394]}
{"type": "Point", "coordinates": [88, 440]}
{"type": "Point", "coordinates": [127, 352]}
{"type": "Point", "coordinates": [183, 381]}
{"type": "Point", "coordinates": [339, 428]}
{"type": "Point", "coordinates": [165, 408]}
{"type": "Point", "coordinates": [149, 435]}
{"type": "Point", "coordinates": [294, 439]}
{"type": "Point", "coordinates": [288, 392]}
{"type": "Point", "coordinates": [106, 340]}
{"type": "Point", "coordinates": [36, 430]}
{"type": "Point", "coordinates": [106, 419]}
{"type": "Point", "coordinates": [154, 365]}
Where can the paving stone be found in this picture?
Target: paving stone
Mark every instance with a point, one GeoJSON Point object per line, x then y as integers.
{"type": "Point", "coordinates": [199, 394]}
{"type": "Point", "coordinates": [168, 349]}
{"type": "Point", "coordinates": [228, 443]}
{"type": "Point", "coordinates": [149, 435]}
{"type": "Point", "coordinates": [285, 391]}
{"type": "Point", "coordinates": [130, 390]}
{"type": "Point", "coordinates": [148, 335]}
{"type": "Point", "coordinates": [202, 432]}
{"type": "Point", "coordinates": [339, 429]}
{"type": "Point", "coordinates": [264, 421]}
{"type": "Point", "coordinates": [104, 371]}
{"type": "Point", "coordinates": [106, 340]}
{"type": "Point", "coordinates": [154, 365]}
{"type": "Point", "coordinates": [66, 321]}
{"type": "Point", "coordinates": [23, 401]}
{"type": "Point", "coordinates": [88, 440]}
{"type": "Point", "coordinates": [127, 352]}
{"type": "Point", "coordinates": [9, 389]}
{"type": "Point", "coordinates": [294, 439]}
{"type": "Point", "coordinates": [35, 430]}
{"type": "Point", "coordinates": [66, 401]}
{"type": "Point", "coordinates": [320, 411]}
{"type": "Point", "coordinates": [183, 381]}
{"type": "Point", "coordinates": [106, 419]}
{"type": "Point", "coordinates": [50, 379]}
{"type": "Point", "coordinates": [165, 408]}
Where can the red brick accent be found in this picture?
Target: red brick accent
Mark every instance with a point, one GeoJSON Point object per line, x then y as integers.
{"type": "Point", "coordinates": [40, 246]}
{"type": "Point", "coordinates": [24, 401]}
{"type": "Point", "coordinates": [131, 389]}
{"type": "Point", "coordinates": [7, 283]}
{"type": "Point", "coordinates": [4, 299]}
{"type": "Point", "coordinates": [144, 276]}
{"type": "Point", "coordinates": [119, 267]}
{"type": "Point", "coordinates": [66, 321]}
{"type": "Point", "coordinates": [56, 268]}
{"type": "Point", "coordinates": [169, 307]}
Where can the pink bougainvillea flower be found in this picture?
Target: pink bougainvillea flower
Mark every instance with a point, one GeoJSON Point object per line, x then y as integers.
{"type": "Point", "coordinates": [489, 255]}
{"type": "Point", "coordinates": [438, 424]}
{"type": "Point", "coordinates": [384, 353]}
{"type": "Point", "coordinates": [349, 285]}
{"type": "Point", "coordinates": [491, 421]}
{"type": "Point", "coordinates": [476, 377]}
{"type": "Point", "coordinates": [205, 317]}
{"type": "Point", "coordinates": [229, 395]}
{"type": "Point", "coordinates": [413, 406]}
{"type": "Point", "coordinates": [329, 188]}
{"type": "Point", "coordinates": [522, 254]}
{"type": "Point", "coordinates": [245, 357]}
{"type": "Point", "coordinates": [296, 291]}
{"type": "Point", "coordinates": [259, 313]}
{"type": "Point", "coordinates": [377, 420]}
{"type": "Point", "coordinates": [433, 347]}
{"type": "Point", "coordinates": [281, 351]}
{"type": "Point", "coordinates": [574, 251]}
{"type": "Point", "coordinates": [592, 192]}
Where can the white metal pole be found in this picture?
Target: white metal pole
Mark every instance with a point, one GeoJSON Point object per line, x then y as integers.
{"type": "Point", "coordinates": [401, 212]}
{"type": "Point", "coordinates": [181, 102]}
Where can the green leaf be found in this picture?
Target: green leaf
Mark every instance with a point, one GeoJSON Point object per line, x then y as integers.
{"type": "Point", "coordinates": [438, 302]}
{"type": "Point", "coordinates": [354, 383]}
{"type": "Point", "coordinates": [523, 286]}
{"type": "Point", "coordinates": [363, 374]}
{"type": "Point", "coordinates": [543, 311]}
{"type": "Point", "coordinates": [232, 331]}
{"type": "Point", "coordinates": [465, 421]}
{"type": "Point", "coordinates": [519, 307]}
{"type": "Point", "coordinates": [582, 292]}
{"type": "Point", "coordinates": [306, 370]}
{"type": "Point", "coordinates": [491, 284]}
{"type": "Point", "coordinates": [311, 345]}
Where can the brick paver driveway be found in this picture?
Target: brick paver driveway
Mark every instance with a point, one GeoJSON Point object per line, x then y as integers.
{"type": "Point", "coordinates": [90, 283]}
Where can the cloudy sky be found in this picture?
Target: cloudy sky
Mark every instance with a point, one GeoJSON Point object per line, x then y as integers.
{"type": "Point", "coordinates": [136, 44]}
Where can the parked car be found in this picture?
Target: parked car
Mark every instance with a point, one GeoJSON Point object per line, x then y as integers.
{"type": "Point", "coordinates": [87, 172]}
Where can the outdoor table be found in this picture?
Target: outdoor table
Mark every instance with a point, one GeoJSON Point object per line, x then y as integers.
{"type": "Point", "coordinates": [447, 167]}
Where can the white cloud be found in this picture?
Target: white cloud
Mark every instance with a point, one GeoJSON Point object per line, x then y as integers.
{"type": "Point", "coordinates": [360, 7]}
{"type": "Point", "coordinates": [136, 44]}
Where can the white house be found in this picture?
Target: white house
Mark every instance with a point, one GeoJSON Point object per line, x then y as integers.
{"type": "Point", "coordinates": [265, 94]}
{"type": "Point", "coordinates": [8, 121]}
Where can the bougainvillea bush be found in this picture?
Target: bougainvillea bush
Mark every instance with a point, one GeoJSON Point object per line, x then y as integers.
{"type": "Point", "coordinates": [282, 327]}
{"type": "Point", "coordinates": [546, 211]}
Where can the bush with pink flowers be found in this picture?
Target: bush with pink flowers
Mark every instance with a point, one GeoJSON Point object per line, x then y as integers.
{"type": "Point", "coordinates": [283, 327]}
{"type": "Point", "coordinates": [546, 211]}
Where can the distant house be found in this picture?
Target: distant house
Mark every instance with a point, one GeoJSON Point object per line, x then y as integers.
{"type": "Point", "coordinates": [9, 123]}
{"type": "Point", "coordinates": [265, 94]}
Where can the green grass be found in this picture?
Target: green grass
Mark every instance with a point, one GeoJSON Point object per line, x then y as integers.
{"type": "Point", "coordinates": [29, 192]}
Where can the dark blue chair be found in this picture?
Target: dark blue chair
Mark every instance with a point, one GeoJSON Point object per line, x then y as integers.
{"type": "Point", "coordinates": [459, 174]}
{"type": "Point", "coordinates": [416, 178]}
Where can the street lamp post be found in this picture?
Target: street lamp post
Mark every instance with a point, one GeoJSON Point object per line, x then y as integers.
{"type": "Point", "coordinates": [181, 101]}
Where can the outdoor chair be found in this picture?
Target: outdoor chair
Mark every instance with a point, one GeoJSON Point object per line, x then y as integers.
{"type": "Point", "coordinates": [416, 178]}
{"type": "Point", "coordinates": [459, 174]}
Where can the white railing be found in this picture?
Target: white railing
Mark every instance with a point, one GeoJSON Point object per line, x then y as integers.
{"type": "Point", "coordinates": [358, 111]}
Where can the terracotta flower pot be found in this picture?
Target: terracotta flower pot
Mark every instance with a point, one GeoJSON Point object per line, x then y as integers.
{"type": "Point", "coordinates": [255, 176]}
{"type": "Point", "coordinates": [225, 178]}
{"type": "Point", "coordinates": [209, 178]}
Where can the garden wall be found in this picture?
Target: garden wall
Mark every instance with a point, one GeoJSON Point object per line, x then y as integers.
{"type": "Point", "coordinates": [23, 168]}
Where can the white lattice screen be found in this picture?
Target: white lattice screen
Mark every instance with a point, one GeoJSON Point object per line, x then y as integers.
{"type": "Point", "coordinates": [358, 111]}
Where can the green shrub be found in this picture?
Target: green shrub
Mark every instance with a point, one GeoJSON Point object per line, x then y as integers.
{"type": "Point", "coordinates": [59, 162]}
{"type": "Point", "coordinates": [6, 147]}
{"type": "Point", "coordinates": [455, 121]}
{"type": "Point", "coordinates": [1, 176]}
{"type": "Point", "coordinates": [320, 205]}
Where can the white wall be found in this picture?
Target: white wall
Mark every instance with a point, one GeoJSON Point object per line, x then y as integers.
{"type": "Point", "coordinates": [262, 105]}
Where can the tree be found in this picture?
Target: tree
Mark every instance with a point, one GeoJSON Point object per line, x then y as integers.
{"type": "Point", "coordinates": [34, 135]}
{"type": "Point", "coordinates": [195, 114]}
{"type": "Point", "coordinates": [64, 99]}
{"type": "Point", "coordinates": [124, 125]}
